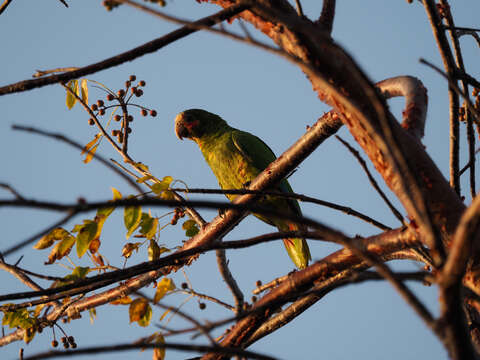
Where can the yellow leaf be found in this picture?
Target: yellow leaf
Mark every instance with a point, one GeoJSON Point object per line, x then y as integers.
{"type": "Point", "coordinates": [164, 286]}
{"type": "Point", "coordinates": [71, 100]}
{"type": "Point", "coordinates": [138, 309]}
{"type": "Point", "coordinates": [91, 143]}
{"type": "Point", "coordinates": [48, 240]}
{"type": "Point", "coordinates": [165, 314]}
{"type": "Point", "coordinates": [117, 195]}
{"type": "Point", "coordinates": [145, 178]}
{"type": "Point", "coordinates": [90, 154]}
{"type": "Point", "coordinates": [84, 91]}
{"type": "Point", "coordinates": [125, 300]}
{"type": "Point", "coordinates": [159, 353]}
{"type": "Point", "coordinates": [128, 249]}
{"type": "Point", "coordinates": [153, 250]}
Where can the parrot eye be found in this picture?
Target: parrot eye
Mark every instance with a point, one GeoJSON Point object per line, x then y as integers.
{"type": "Point", "coordinates": [188, 118]}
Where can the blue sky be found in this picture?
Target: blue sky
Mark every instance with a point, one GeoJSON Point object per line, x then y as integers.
{"type": "Point", "coordinates": [254, 91]}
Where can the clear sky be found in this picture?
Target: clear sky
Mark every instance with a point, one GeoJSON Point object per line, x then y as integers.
{"type": "Point", "coordinates": [254, 91]}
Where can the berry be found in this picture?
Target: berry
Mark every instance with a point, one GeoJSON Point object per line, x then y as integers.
{"type": "Point", "coordinates": [129, 130]}
{"type": "Point", "coordinates": [173, 222]}
{"type": "Point", "coordinates": [66, 345]}
{"type": "Point", "coordinates": [94, 107]}
{"type": "Point", "coordinates": [129, 118]}
{"type": "Point", "coordinates": [71, 339]}
{"type": "Point", "coordinates": [258, 283]}
{"type": "Point", "coordinates": [184, 285]}
{"type": "Point", "coordinates": [132, 78]}
{"type": "Point", "coordinates": [114, 132]}
{"type": "Point", "coordinates": [202, 306]}
{"type": "Point", "coordinates": [143, 112]}
{"type": "Point", "coordinates": [74, 345]}
{"type": "Point", "coordinates": [91, 121]}
{"type": "Point", "coordinates": [128, 84]}
{"type": "Point", "coordinates": [133, 90]}
{"type": "Point", "coordinates": [100, 103]}
{"type": "Point", "coordinates": [54, 343]}
{"type": "Point", "coordinates": [110, 97]}
{"type": "Point", "coordinates": [101, 112]}
{"type": "Point", "coordinates": [153, 113]}
{"type": "Point", "coordinates": [121, 93]}
{"type": "Point", "coordinates": [117, 117]}
{"type": "Point", "coordinates": [64, 339]}
{"type": "Point", "coordinates": [142, 83]}
{"type": "Point", "coordinates": [139, 93]}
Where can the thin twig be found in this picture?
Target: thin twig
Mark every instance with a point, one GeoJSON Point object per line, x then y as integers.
{"type": "Point", "coordinates": [461, 67]}
{"type": "Point", "coordinates": [130, 55]}
{"type": "Point", "coordinates": [4, 6]}
{"type": "Point", "coordinates": [41, 73]}
{"type": "Point", "coordinates": [12, 190]}
{"type": "Point", "coordinates": [449, 65]}
{"type": "Point", "coordinates": [230, 280]}
{"type": "Point", "coordinates": [372, 180]}
{"type": "Point", "coordinates": [327, 15]}
{"type": "Point", "coordinates": [298, 4]}
{"type": "Point", "coordinates": [345, 209]}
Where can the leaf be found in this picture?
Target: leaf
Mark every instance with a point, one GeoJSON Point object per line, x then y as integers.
{"type": "Point", "coordinates": [48, 240]}
{"type": "Point", "coordinates": [190, 227]}
{"type": "Point", "coordinates": [141, 166]}
{"type": "Point", "coordinates": [159, 188]}
{"type": "Point", "coordinates": [80, 272]}
{"type": "Point", "coordinates": [71, 100]}
{"type": "Point", "coordinates": [125, 300]}
{"type": "Point", "coordinates": [128, 249]}
{"type": "Point", "coordinates": [143, 179]}
{"type": "Point", "coordinates": [90, 154]}
{"type": "Point", "coordinates": [159, 353]}
{"type": "Point", "coordinates": [91, 143]}
{"type": "Point", "coordinates": [140, 311]}
{"type": "Point", "coordinates": [85, 237]}
{"type": "Point", "coordinates": [61, 249]}
{"type": "Point", "coordinates": [148, 226]}
{"type": "Point", "coordinates": [165, 314]}
{"type": "Point", "coordinates": [93, 314]}
{"type": "Point", "coordinates": [117, 195]}
{"type": "Point", "coordinates": [153, 250]}
{"type": "Point", "coordinates": [132, 217]}
{"type": "Point", "coordinates": [164, 286]}
{"type": "Point", "coordinates": [29, 334]}
{"type": "Point", "coordinates": [84, 87]}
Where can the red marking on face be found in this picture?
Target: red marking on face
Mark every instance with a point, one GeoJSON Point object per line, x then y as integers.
{"type": "Point", "coordinates": [192, 124]}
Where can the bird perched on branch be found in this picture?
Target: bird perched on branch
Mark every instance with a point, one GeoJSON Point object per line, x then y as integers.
{"type": "Point", "coordinates": [236, 158]}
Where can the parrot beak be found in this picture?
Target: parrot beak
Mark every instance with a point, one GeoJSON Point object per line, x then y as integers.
{"type": "Point", "coordinates": [180, 130]}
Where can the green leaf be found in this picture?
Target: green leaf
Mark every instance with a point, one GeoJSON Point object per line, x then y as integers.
{"type": "Point", "coordinates": [159, 353]}
{"type": "Point", "coordinates": [85, 237]}
{"type": "Point", "coordinates": [164, 286]}
{"type": "Point", "coordinates": [159, 188]}
{"type": "Point", "coordinates": [80, 272]}
{"type": "Point", "coordinates": [132, 217]}
{"type": "Point", "coordinates": [145, 178]}
{"type": "Point", "coordinates": [93, 314]}
{"type": "Point", "coordinates": [84, 86]}
{"type": "Point", "coordinates": [71, 100]}
{"type": "Point", "coordinates": [148, 226]}
{"type": "Point", "coordinates": [190, 227]}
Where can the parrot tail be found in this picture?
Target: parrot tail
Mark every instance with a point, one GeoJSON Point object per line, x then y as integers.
{"type": "Point", "coordinates": [297, 248]}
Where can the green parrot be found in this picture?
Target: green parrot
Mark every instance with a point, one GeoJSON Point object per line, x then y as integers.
{"type": "Point", "coordinates": [236, 158]}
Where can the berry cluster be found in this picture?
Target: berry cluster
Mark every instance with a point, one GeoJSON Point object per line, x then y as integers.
{"type": "Point", "coordinates": [122, 98]}
{"type": "Point", "coordinates": [177, 213]}
{"type": "Point", "coordinates": [67, 341]}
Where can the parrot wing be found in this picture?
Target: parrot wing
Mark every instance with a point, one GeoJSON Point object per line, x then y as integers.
{"type": "Point", "coordinates": [259, 154]}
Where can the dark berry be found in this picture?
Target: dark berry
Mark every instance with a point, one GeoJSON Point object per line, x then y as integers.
{"type": "Point", "coordinates": [128, 84]}
{"type": "Point", "coordinates": [74, 345]}
{"type": "Point", "coordinates": [258, 283]}
{"type": "Point", "coordinates": [153, 113]}
{"type": "Point", "coordinates": [110, 97]}
{"type": "Point", "coordinates": [202, 306]}
{"type": "Point", "coordinates": [101, 112]}
{"type": "Point", "coordinates": [64, 339]}
{"type": "Point", "coordinates": [94, 107]}
{"type": "Point", "coordinates": [71, 339]}
{"type": "Point", "coordinates": [139, 93]}
{"type": "Point", "coordinates": [117, 117]}
{"type": "Point", "coordinates": [133, 90]}
{"type": "Point", "coordinates": [129, 130]}
{"type": "Point", "coordinates": [143, 112]}
{"type": "Point", "coordinates": [129, 118]}
{"type": "Point", "coordinates": [54, 343]}
{"type": "Point", "coordinates": [132, 78]}
{"type": "Point", "coordinates": [142, 83]}
{"type": "Point", "coordinates": [100, 103]}
{"type": "Point", "coordinates": [184, 285]}
{"type": "Point", "coordinates": [121, 93]}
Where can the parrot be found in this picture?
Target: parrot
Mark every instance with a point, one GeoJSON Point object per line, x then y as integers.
{"type": "Point", "coordinates": [236, 158]}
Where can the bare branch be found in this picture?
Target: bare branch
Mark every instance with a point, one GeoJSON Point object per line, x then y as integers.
{"type": "Point", "coordinates": [372, 180]}
{"type": "Point", "coordinates": [4, 6]}
{"type": "Point", "coordinates": [327, 15]}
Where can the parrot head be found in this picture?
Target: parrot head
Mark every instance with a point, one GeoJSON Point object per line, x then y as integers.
{"type": "Point", "coordinates": [196, 123]}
